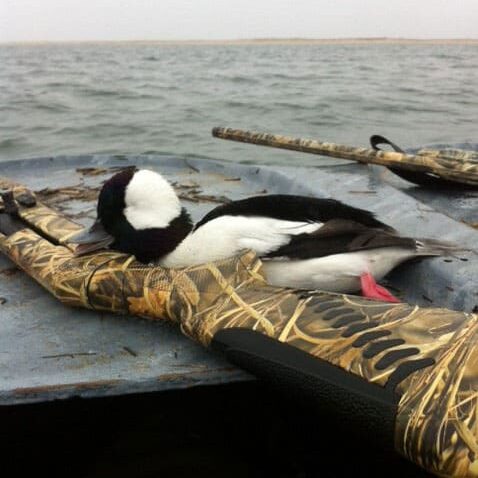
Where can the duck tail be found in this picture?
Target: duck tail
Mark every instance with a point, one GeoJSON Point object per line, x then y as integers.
{"type": "Point", "coordinates": [432, 247]}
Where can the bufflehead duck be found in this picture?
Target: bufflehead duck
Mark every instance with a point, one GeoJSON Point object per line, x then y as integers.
{"type": "Point", "coordinates": [304, 242]}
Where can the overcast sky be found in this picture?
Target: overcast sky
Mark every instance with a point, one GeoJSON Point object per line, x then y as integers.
{"type": "Point", "coordinates": [32, 20]}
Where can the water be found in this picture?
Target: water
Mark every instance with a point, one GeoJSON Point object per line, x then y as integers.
{"type": "Point", "coordinates": [138, 98]}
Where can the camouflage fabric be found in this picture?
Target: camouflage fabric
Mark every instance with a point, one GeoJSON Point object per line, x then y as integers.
{"type": "Point", "coordinates": [453, 165]}
{"type": "Point", "coordinates": [427, 356]}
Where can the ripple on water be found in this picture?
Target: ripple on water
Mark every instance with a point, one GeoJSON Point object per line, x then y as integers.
{"type": "Point", "coordinates": [134, 98]}
{"type": "Point", "coordinates": [51, 107]}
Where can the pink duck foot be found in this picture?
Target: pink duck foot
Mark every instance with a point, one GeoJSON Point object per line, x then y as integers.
{"type": "Point", "coordinates": [372, 290]}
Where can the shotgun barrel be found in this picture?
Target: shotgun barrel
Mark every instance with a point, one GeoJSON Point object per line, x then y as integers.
{"type": "Point", "coordinates": [458, 168]}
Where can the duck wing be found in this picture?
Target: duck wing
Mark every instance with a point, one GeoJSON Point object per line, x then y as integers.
{"type": "Point", "coordinates": [339, 236]}
{"type": "Point", "coordinates": [294, 208]}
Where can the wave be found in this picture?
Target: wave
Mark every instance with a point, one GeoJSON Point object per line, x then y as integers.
{"type": "Point", "coordinates": [51, 107]}
{"type": "Point", "coordinates": [135, 99]}
{"type": "Point", "coordinates": [10, 143]}
{"type": "Point", "coordinates": [238, 79]}
{"type": "Point", "coordinates": [98, 92]}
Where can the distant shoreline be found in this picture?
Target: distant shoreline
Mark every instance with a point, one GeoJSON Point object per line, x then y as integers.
{"type": "Point", "coordinates": [261, 41]}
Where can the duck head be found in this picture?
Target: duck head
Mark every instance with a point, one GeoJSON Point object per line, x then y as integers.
{"type": "Point", "coordinates": [138, 213]}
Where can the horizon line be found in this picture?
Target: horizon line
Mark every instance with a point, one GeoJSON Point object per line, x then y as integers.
{"type": "Point", "coordinates": [239, 41]}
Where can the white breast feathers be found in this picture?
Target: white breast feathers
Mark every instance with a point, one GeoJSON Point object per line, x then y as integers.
{"type": "Point", "coordinates": [227, 236]}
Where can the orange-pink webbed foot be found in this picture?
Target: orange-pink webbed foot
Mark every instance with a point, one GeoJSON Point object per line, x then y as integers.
{"type": "Point", "coordinates": [372, 290]}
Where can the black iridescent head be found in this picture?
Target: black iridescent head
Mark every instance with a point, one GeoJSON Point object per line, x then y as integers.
{"type": "Point", "coordinates": [142, 212]}
{"type": "Point", "coordinates": [111, 200]}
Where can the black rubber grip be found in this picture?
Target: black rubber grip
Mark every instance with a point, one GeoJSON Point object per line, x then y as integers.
{"type": "Point", "coordinates": [366, 406]}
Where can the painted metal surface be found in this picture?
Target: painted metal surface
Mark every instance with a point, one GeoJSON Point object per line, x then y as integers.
{"type": "Point", "coordinates": [48, 350]}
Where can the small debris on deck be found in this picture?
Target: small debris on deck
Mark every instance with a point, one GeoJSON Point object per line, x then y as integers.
{"type": "Point", "coordinates": [130, 351]}
{"type": "Point", "coordinates": [191, 191]}
{"type": "Point", "coordinates": [100, 171]}
{"type": "Point", "coordinates": [55, 196]}
{"type": "Point", "coordinates": [69, 355]}
{"type": "Point", "coordinates": [185, 185]}
{"type": "Point", "coordinates": [362, 192]}
{"type": "Point", "coordinates": [204, 198]}
{"type": "Point", "coordinates": [9, 271]}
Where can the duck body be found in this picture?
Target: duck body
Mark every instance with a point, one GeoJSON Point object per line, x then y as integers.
{"type": "Point", "coordinates": [304, 242]}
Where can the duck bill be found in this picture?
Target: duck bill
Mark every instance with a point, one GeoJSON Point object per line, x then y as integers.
{"type": "Point", "coordinates": [91, 239]}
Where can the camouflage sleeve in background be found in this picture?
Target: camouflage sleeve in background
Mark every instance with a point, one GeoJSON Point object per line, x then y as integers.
{"type": "Point", "coordinates": [426, 358]}
{"type": "Point", "coordinates": [461, 167]}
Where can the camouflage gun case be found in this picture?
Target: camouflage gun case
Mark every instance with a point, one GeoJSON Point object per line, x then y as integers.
{"type": "Point", "coordinates": [447, 168]}
{"type": "Point", "coordinates": [400, 371]}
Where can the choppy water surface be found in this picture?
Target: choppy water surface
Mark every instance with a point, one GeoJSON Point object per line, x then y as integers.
{"type": "Point", "coordinates": [137, 98]}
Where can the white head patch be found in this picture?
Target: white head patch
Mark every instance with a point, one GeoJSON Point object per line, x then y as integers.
{"type": "Point", "coordinates": [150, 201]}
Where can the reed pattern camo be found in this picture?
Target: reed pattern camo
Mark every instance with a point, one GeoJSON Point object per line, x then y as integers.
{"type": "Point", "coordinates": [454, 165]}
{"type": "Point", "coordinates": [426, 355]}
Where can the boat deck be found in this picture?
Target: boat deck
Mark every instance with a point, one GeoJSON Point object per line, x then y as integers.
{"type": "Point", "coordinates": [49, 351]}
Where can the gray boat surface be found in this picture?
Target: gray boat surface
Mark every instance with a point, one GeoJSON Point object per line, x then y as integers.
{"type": "Point", "coordinates": [49, 351]}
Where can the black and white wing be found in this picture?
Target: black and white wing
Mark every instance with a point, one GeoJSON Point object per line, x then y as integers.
{"type": "Point", "coordinates": [294, 208]}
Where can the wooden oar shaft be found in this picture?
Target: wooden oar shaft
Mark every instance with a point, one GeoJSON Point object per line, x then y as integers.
{"type": "Point", "coordinates": [462, 171]}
